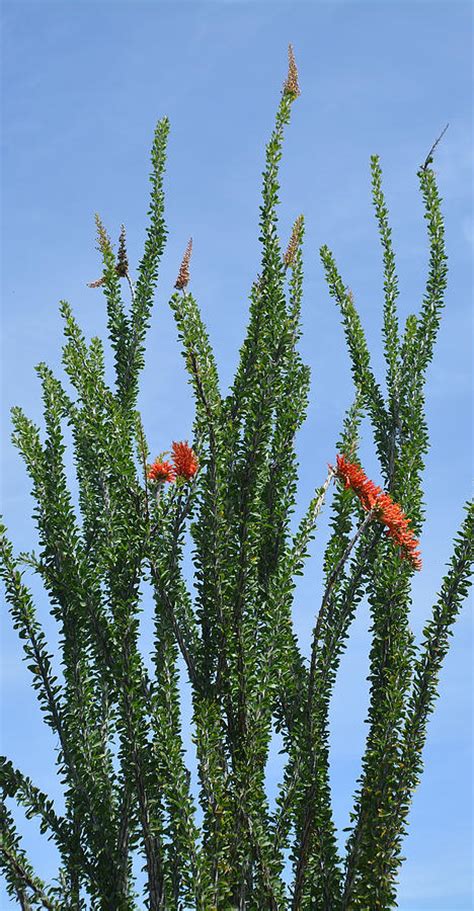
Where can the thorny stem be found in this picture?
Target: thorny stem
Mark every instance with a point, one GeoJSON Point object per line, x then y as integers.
{"type": "Point", "coordinates": [130, 285]}
{"type": "Point", "coordinates": [327, 594]}
{"type": "Point", "coordinates": [308, 825]}
{"type": "Point", "coordinates": [28, 880]}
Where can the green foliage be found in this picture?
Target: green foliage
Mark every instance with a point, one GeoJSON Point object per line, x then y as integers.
{"type": "Point", "coordinates": [117, 725]}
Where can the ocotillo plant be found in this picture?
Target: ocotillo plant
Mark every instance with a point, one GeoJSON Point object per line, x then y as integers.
{"type": "Point", "coordinates": [219, 844]}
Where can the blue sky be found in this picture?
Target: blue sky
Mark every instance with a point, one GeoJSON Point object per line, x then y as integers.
{"type": "Point", "coordinates": [83, 86]}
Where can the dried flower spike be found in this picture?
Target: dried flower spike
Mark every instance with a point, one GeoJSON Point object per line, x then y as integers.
{"type": "Point", "coordinates": [103, 239]}
{"type": "Point", "coordinates": [294, 241]}
{"type": "Point", "coordinates": [122, 259]}
{"type": "Point", "coordinates": [103, 244]}
{"type": "Point", "coordinates": [183, 274]}
{"type": "Point", "coordinates": [184, 460]}
{"type": "Point", "coordinates": [291, 86]}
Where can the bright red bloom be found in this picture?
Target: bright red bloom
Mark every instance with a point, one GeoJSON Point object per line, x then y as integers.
{"type": "Point", "coordinates": [161, 471]}
{"type": "Point", "coordinates": [184, 460]}
{"type": "Point", "coordinates": [387, 511]}
{"type": "Point", "coordinates": [355, 477]}
{"type": "Point", "coordinates": [398, 528]}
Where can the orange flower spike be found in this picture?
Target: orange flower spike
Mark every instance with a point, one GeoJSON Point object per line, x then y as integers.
{"type": "Point", "coordinates": [161, 471]}
{"type": "Point", "coordinates": [387, 511]}
{"type": "Point", "coordinates": [355, 477]}
{"type": "Point", "coordinates": [184, 460]}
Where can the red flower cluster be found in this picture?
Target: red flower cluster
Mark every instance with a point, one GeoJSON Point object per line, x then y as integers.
{"type": "Point", "coordinates": [388, 512]}
{"type": "Point", "coordinates": [355, 477]}
{"type": "Point", "coordinates": [184, 460]}
{"type": "Point", "coordinates": [161, 471]}
{"type": "Point", "coordinates": [398, 528]}
{"type": "Point", "coordinates": [184, 465]}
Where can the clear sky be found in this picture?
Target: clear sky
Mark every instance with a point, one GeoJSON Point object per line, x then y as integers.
{"type": "Point", "coordinates": [83, 86]}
